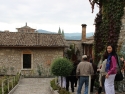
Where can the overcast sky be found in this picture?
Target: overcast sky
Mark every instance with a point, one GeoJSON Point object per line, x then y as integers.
{"type": "Point", "coordinates": [47, 15]}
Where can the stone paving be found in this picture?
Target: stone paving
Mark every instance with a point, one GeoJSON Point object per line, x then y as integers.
{"type": "Point", "coordinates": [33, 86]}
{"type": "Point", "coordinates": [94, 91]}
{"type": "Point", "coordinates": [39, 86]}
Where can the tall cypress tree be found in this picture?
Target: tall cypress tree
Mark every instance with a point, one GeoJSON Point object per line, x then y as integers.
{"type": "Point", "coordinates": [63, 33]}
{"type": "Point", "coordinates": [59, 31]}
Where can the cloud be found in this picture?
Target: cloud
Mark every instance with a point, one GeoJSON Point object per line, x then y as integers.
{"type": "Point", "coordinates": [66, 13]}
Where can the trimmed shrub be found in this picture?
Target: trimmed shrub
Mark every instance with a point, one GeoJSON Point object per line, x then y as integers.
{"type": "Point", "coordinates": [61, 67]}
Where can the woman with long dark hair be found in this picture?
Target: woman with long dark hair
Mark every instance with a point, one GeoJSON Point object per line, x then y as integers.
{"type": "Point", "coordinates": [111, 69]}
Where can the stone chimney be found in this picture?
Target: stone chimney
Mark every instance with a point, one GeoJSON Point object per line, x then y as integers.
{"type": "Point", "coordinates": [83, 32]}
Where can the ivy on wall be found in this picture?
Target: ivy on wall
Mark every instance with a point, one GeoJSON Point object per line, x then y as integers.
{"type": "Point", "coordinates": [107, 24]}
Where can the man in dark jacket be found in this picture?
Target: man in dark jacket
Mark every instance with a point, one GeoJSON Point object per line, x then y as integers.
{"type": "Point", "coordinates": [93, 77]}
{"type": "Point", "coordinates": [71, 79]}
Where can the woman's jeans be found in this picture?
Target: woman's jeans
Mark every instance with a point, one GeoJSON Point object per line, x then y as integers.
{"type": "Point", "coordinates": [82, 80]}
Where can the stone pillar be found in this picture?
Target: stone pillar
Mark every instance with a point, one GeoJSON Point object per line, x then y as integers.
{"type": "Point", "coordinates": [122, 32]}
{"type": "Point", "coordinates": [83, 32]}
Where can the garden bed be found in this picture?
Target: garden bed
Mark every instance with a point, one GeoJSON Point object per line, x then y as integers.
{"type": "Point", "coordinates": [55, 89]}
{"type": "Point", "coordinates": [8, 82]}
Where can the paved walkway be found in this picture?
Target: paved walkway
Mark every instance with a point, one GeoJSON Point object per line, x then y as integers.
{"type": "Point", "coordinates": [33, 86]}
{"type": "Point", "coordinates": [38, 86]}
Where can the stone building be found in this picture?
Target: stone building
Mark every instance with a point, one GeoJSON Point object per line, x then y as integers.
{"type": "Point", "coordinates": [87, 43]}
{"type": "Point", "coordinates": [29, 52]}
{"type": "Point", "coordinates": [26, 29]}
{"type": "Point", "coordinates": [84, 45]}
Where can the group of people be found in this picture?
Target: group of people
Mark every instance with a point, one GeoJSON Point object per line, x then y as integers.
{"type": "Point", "coordinates": [107, 70]}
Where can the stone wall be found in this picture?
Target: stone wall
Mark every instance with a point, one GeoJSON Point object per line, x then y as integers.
{"type": "Point", "coordinates": [11, 59]}
{"type": "Point", "coordinates": [122, 32]}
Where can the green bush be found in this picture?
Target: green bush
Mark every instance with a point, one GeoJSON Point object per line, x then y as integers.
{"type": "Point", "coordinates": [63, 91]}
{"type": "Point", "coordinates": [61, 67]}
{"type": "Point", "coordinates": [56, 87]}
{"type": "Point", "coordinates": [0, 82]}
{"type": "Point", "coordinates": [5, 89]}
{"type": "Point", "coordinates": [96, 84]}
{"type": "Point", "coordinates": [0, 90]}
{"type": "Point", "coordinates": [53, 85]}
{"type": "Point", "coordinates": [10, 86]}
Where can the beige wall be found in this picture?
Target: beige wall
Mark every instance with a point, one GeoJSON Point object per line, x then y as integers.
{"type": "Point", "coordinates": [13, 57]}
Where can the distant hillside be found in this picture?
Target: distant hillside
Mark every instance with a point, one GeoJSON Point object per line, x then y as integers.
{"type": "Point", "coordinates": [68, 36]}
{"type": "Point", "coordinates": [44, 31]}
{"type": "Point", "coordinates": [76, 36]}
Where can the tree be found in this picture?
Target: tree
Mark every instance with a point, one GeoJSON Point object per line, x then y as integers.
{"type": "Point", "coordinates": [107, 24]}
{"type": "Point", "coordinates": [59, 31]}
{"type": "Point", "coordinates": [61, 67]}
{"type": "Point", "coordinates": [63, 33]}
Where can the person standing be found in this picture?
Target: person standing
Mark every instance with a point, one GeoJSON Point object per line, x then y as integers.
{"type": "Point", "coordinates": [76, 78]}
{"type": "Point", "coordinates": [71, 79]}
{"type": "Point", "coordinates": [94, 75]}
{"type": "Point", "coordinates": [111, 69]}
{"type": "Point", "coordinates": [84, 69]}
{"type": "Point", "coordinates": [102, 74]}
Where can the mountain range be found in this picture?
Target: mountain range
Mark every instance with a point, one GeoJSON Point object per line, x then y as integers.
{"type": "Point", "coordinates": [68, 36]}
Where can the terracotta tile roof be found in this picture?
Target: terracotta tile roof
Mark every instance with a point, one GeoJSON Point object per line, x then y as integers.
{"type": "Point", "coordinates": [26, 27]}
{"type": "Point", "coordinates": [90, 38]}
{"type": "Point", "coordinates": [88, 42]}
{"type": "Point", "coordinates": [19, 39]}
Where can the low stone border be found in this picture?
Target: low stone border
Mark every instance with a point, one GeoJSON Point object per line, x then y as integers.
{"type": "Point", "coordinates": [53, 91]}
{"type": "Point", "coordinates": [38, 76]}
{"type": "Point", "coordinates": [11, 92]}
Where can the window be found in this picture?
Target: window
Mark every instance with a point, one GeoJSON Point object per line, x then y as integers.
{"type": "Point", "coordinates": [26, 61]}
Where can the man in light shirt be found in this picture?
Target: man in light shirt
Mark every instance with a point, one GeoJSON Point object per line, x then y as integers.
{"type": "Point", "coordinates": [84, 69]}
